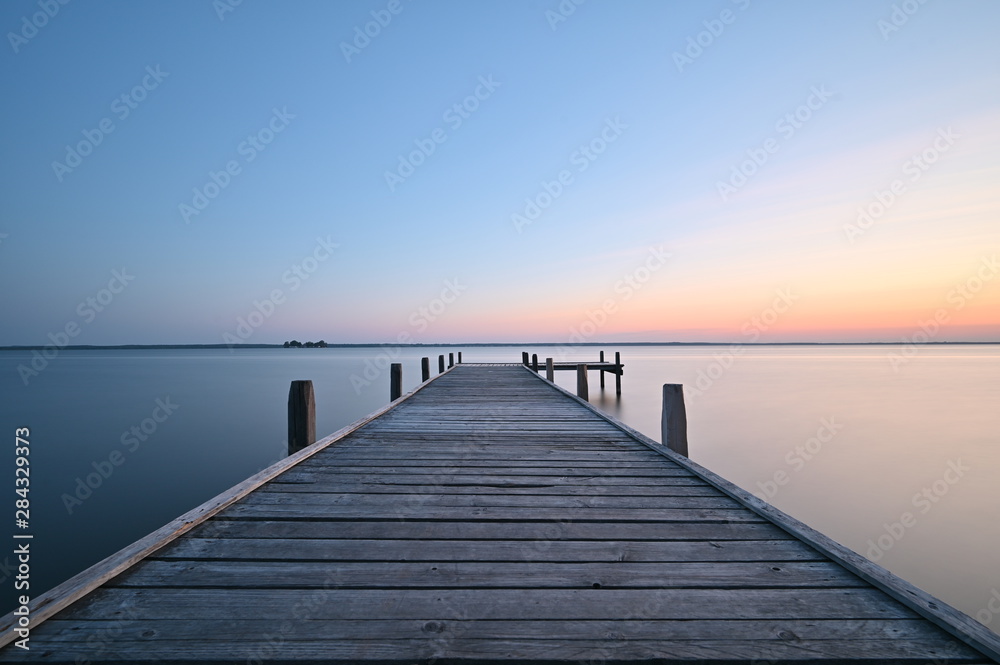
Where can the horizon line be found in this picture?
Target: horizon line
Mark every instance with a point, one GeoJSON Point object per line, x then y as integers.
{"type": "Point", "coordinates": [84, 347]}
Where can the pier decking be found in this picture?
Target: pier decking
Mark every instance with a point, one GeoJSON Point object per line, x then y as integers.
{"type": "Point", "coordinates": [491, 517]}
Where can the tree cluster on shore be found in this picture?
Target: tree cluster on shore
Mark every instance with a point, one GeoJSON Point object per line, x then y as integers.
{"type": "Point", "coordinates": [296, 344]}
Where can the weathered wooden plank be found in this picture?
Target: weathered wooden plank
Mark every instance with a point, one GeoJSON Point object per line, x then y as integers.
{"type": "Point", "coordinates": [486, 471]}
{"type": "Point", "coordinates": [476, 550]}
{"type": "Point", "coordinates": [322, 483]}
{"type": "Point", "coordinates": [490, 531]}
{"type": "Point", "coordinates": [526, 488]}
{"type": "Point", "coordinates": [487, 459]}
{"type": "Point", "coordinates": [435, 648]}
{"type": "Point", "coordinates": [414, 510]}
{"type": "Point", "coordinates": [463, 451]}
{"type": "Point", "coordinates": [596, 481]}
{"type": "Point", "coordinates": [225, 630]}
{"type": "Point", "coordinates": [492, 448]}
{"type": "Point", "coordinates": [496, 604]}
{"type": "Point", "coordinates": [451, 574]}
{"type": "Point", "coordinates": [470, 449]}
{"type": "Point", "coordinates": [325, 500]}
{"type": "Point", "coordinates": [451, 442]}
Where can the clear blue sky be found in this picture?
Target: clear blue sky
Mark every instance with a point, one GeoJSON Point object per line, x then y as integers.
{"type": "Point", "coordinates": [670, 131]}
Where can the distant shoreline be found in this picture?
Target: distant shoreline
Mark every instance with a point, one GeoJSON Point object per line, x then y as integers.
{"type": "Point", "coordinates": [132, 347]}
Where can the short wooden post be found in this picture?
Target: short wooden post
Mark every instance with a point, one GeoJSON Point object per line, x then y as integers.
{"type": "Point", "coordinates": [451, 360]}
{"type": "Point", "coordinates": [395, 381]}
{"type": "Point", "coordinates": [550, 370]}
{"type": "Point", "coordinates": [425, 369]}
{"type": "Point", "coordinates": [673, 419]}
{"type": "Point", "coordinates": [602, 371]}
{"type": "Point", "coordinates": [534, 362]}
{"type": "Point", "coordinates": [459, 357]}
{"type": "Point", "coordinates": [524, 358]}
{"type": "Point", "coordinates": [441, 364]}
{"type": "Point", "coordinates": [581, 381]}
{"type": "Point", "coordinates": [618, 373]}
{"type": "Point", "coordinates": [301, 416]}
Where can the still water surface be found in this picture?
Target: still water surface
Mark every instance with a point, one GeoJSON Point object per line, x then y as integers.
{"type": "Point", "coordinates": [899, 461]}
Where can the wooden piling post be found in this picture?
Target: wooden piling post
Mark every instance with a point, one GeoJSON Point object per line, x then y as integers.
{"type": "Point", "coordinates": [524, 358]}
{"type": "Point", "coordinates": [441, 364]}
{"type": "Point", "coordinates": [550, 370]}
{"type": "Point", "coordinates": [451, 360]}
{"type": "Point", "coordinates": [581, 381]}
{"type": "Point", "coordinates": [602, 371]}
{"type": "Point", "coordinates": [395, 381]}
{"type": "Point", "coordinates": [534, 362]}
{"type": "Point", "coordinates": [673, 419]}
{"type": "Point", "coordinates": [425, 369]}
{"type": "Point", "coordinates": [618, 374]}
{"type": "Point", "coordinates": [459, 357]}
{"type": "Point", "coordinates": [301, 416]}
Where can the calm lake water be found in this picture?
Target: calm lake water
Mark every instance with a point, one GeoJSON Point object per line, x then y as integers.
{"type": "Point", "coordinates": [897, 458]}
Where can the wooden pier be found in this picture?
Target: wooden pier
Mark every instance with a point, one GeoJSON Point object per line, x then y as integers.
{"type": "Point", "coordinates": [582, 370]}
{"type": "Point", "coordinates": [490, 516]}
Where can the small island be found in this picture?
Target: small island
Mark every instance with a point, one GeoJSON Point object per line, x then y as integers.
{"type": "Point", "coordinates": [295, 344]}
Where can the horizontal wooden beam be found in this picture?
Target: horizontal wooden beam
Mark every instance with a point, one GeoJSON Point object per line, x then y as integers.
{"type": "Point", "coordinates": [611, 368]}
